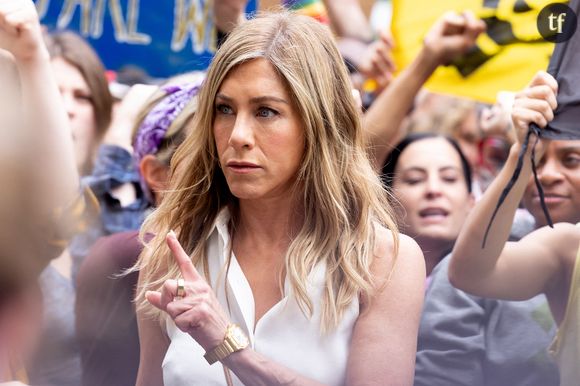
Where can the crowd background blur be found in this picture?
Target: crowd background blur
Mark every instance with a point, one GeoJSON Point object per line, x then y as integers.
{"type": "Point", "coordinates": [49, 239]}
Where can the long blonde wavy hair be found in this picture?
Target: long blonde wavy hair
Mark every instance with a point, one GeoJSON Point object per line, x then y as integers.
{"type": "Point", "coordinates": [342, 197]}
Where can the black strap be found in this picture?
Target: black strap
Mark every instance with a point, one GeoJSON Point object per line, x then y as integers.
{"type": "Point", "coordinates": [534, 129]}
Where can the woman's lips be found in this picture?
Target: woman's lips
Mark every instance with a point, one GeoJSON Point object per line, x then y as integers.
{"type": "Point", "coordinates": [433, 215]}
{"type": "Point", "coordinates": [242, 167]}
{"type": "Point", "coordinates": [551, 199]}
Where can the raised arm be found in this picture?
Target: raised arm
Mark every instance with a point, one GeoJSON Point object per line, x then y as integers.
{"type": "Point", "coordinates": [514, 270]}
{"type": "Point", "coordinates": [44, 117]}
{"type": "Point", "coordinates": [452, 35]}
{"type": "Point", "coordinates": [348, 19]}
{"type": "Point", "coordinates": [228, 14]}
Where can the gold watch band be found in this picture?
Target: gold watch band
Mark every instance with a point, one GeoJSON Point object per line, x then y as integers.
{"type": "Point", "coordinates": [234, 340]}
{"type": "Point", "coordinates": [219, 353]}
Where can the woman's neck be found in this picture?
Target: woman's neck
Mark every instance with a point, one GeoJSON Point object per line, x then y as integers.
{"type": "Point", "coordinates": [434, 251]}
{"type": "Point", "coordinates": [267, 221]}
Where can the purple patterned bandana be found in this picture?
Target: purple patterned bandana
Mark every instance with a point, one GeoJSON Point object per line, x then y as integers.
{"type": "Point", "coordinates": [155, 125]}
{"type": "Point", "coordinates": [157, 122]}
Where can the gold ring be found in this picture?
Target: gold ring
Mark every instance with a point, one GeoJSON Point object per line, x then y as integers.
{"type": "Point", "coordinates": [180, 289]}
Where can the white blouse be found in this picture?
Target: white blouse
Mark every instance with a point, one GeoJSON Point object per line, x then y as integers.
{"type": "Point", "coordinates": [283, 334]}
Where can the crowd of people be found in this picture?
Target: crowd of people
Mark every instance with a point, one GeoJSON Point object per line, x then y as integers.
{"type": "Point", "coordinates": [269, 221]}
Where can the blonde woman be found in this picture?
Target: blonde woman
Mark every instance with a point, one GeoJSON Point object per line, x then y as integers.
{"type": "Point", "coordinates": [275, 251]}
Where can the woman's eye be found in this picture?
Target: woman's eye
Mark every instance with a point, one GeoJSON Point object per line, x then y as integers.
{"type": "Point", "coordinates": [450, 179]}
{"type": "Point", "coordinates": [412, 181]}
{"type": "Point", "coordinates": [224, 109]}
{"type": "Point", "coordinates": [572, 160]}
{"type": "Point", "coordinates": [84, 98]}
{"type": "Point", "coordinates": [266, 112]}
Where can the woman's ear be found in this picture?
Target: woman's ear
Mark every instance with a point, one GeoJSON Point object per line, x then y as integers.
{"type": "Point", "coordinates": [155, 173]}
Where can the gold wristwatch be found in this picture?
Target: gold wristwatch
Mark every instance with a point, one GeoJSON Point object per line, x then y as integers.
{"type": "Point", "coordinates": [235, 340]}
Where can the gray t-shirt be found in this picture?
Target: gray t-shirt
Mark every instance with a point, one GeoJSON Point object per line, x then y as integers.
{"type": "Point", "coordinates": [473, 341]}
{"type": "Point", "coordinates": [57, 361]}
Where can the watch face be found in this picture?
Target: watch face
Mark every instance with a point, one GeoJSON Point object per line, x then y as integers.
{"type": "Point", "coordinates": [239, 337]}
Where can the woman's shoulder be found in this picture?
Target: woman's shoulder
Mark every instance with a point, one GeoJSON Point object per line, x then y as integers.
{"type": "Point", "coordinates": [562, 241]}
{"type": "Point", "coordinates": [562, 236]}
{"type": "Point", "coordinates": [386, 239]}
{"type": "Point", "coordinates": [406, 257]}
{"type": "Point", "coordinates": [398, 273]}
{"type": "Point", "coordinates": [568, 236]}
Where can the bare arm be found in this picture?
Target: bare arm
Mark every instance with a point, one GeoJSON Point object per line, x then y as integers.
{"type": "Point", "coordinates": [348, 19]}
{"type": "Point", "coordinates": [228, 14]}
{"type": "Point", "coordinates": [373, 61]}
{"type": "Point", "coordinates": [522, 269]}
{"type": "Point", "coordinates": [384, 341]}
{"type": "Point", "coordinates": [46, 122]}
{"type": "Point", "coordinates": [382, 120]}
{"type": "Point", "coordinates": [253, 368]}
{"type": "Point", "coordinates": [450, 36]}
{"type": "Point", "coordinates": [125, 116]}
{"type": "Point", "coordinates": [153, 344]}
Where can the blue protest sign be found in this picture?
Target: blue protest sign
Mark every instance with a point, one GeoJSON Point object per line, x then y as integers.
{"type": "Point", "coordinates": [163, 37]}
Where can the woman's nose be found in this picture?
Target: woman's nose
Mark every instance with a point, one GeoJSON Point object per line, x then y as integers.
{"type": "Point", "coordinates": [242, 135]}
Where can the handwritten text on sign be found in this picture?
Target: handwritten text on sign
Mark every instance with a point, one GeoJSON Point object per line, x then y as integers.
{"type": "Point", "coordinates": [151, 34]}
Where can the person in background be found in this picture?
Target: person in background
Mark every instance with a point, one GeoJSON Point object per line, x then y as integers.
{"type": "Point", "coordinates": [39, 208]}
{"type": "Point", "coordinates": [452, 35]}
{"type": "Point", "coordinates": [106, 323]}
{"type": "Point", "coordinates": [546, 260]}
{"type": "Point", "coordinates": [463, 339]}
{"type": "Point", "coordinates": [84, 88]}
{"type": "Point", "coordinates": [476, 129]}
{"type": "Point", "coordinates": [80, 77]}
{"type": "Point", "coordinates": [430, 179]}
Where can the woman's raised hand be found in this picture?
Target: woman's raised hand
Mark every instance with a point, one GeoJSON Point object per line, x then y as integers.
{"type": "Point", "coordinates": [20, 32]}
{"type": "Point", "coordinates": [452, 35]}
{"type": "Point", "coordinates": [196, 310]}
{"type": "Point", "coordinates": [536, 103]}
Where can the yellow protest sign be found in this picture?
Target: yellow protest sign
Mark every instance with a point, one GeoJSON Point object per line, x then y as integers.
{"type": "Point", "coordinates": [506, 57]}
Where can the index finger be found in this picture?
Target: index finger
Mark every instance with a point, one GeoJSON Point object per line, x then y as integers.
{"type": "Point", "coordinates": [186, 267]}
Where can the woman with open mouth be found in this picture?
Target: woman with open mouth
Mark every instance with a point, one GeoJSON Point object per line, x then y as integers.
{"type": "Point", "coordinates": [463, 339]}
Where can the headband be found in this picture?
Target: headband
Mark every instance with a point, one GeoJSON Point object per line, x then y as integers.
{"type": "Point", "coordinates": [154, 127]}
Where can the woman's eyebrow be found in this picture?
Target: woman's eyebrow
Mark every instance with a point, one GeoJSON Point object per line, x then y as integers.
{"type": "Point", "coordinates": [224, 97]}
{"type": "Point", "coordinates": [414, 169]}
{"type": "Point", "coordinates": [255, 100]}
{"type": "Point", "coordinates": [569, 149]}
{"type": "Point", "coordinates": [444, 168]}
{"type": "Point", "coordinates": [268, 98]}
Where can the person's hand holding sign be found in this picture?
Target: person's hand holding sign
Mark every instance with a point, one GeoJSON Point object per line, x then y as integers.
{"type": "Point", "coordinates": [190, 301]}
